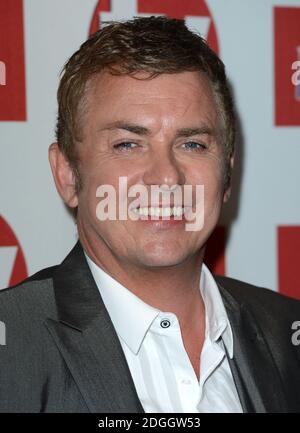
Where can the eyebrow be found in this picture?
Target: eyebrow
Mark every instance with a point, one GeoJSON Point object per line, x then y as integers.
{"type": "Point", "coordinates": [199, 130]}
{"type": "Point", "coordinates": [142, 130]}
{"type": "Point", "coordinates": [131, 127]}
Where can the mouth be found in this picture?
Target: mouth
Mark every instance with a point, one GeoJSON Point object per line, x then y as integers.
{"type": "Point", "coordinates": [160, 212]}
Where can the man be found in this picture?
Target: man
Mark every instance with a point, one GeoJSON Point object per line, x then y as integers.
{"type": "Point", "coordinates": [132, 320]}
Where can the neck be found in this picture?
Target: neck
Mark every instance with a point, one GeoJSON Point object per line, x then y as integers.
{"type": "Point", "coordinates": [171, 289]}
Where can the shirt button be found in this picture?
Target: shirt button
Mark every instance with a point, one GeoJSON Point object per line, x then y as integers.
{"type": "Point", "coordinates": [186, 381]}
{"type": "Point", "coordinates": [165, 323]}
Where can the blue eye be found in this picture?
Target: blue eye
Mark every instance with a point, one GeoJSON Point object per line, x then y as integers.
{"type": "Point", "coordinates": [125, 145]}
{"type": "Point", "coordinates": [195, 145]}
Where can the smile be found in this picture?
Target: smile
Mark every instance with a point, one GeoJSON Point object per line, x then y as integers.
{"type": "Point", "coordinates": [177, 211]}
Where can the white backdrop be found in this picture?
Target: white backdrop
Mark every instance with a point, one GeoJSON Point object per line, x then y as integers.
{"type": "Point", "coordinates": [270, 157]}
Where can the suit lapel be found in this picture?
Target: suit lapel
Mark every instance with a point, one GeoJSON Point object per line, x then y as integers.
{"type": "Point", "coordinates": [253, 368]}
{"type": "Point", "coordinates": [86, 338]}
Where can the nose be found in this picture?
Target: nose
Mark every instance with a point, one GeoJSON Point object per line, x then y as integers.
{"type": "Point", "coordinates": [163, 168]}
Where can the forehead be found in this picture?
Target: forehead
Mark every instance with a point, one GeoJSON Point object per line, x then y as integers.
{"type": "Point", "coordinates": [171, 97]}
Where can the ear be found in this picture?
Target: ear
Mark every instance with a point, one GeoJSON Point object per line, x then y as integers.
{"type": "Point", "coordinates": [227, 192]}
{"type": "Point", "coordinates": [63, 175]}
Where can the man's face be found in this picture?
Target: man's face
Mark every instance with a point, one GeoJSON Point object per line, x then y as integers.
{"type": "Point", "coordinates": [159, 131]}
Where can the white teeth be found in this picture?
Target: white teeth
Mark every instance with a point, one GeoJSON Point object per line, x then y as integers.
{"type": "Point", "coordinates": [166, 211]}
{"type": "Point", "coordinates": [177, 211]}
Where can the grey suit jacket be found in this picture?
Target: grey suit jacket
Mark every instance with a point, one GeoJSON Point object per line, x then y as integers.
{"type": "Point", "coordinates": [62, 353]}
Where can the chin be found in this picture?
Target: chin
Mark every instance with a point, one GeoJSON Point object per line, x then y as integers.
{"type": "Point", "coordinates": [163, 259]}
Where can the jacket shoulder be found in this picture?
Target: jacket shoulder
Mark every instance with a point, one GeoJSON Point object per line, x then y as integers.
{"type": "Point", "coordinates": [259, 297]}
{"type": "Point", "coordinates": [32, 297]}
{"type": "Point", "coordinates": [43, 274]}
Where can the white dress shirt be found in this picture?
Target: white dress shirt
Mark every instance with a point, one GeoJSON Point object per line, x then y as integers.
{"type": "Point", "coordinates": [151, 339]}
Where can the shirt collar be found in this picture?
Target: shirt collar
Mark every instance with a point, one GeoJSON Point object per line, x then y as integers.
{"type": "Point", "coordinates": [216, 318]}
{"type": "Point", "coordinates": [132, 317]}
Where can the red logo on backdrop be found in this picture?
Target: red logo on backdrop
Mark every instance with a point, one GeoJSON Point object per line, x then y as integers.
{"type": "Point", "coordinates": [12, 262]}
{"type": "Point", "coordinates": [288, 238]}
{"type": "Point", "coordinates": [195, 13]}
{"type": "Point", "coordinates": [286, 52]}
{"type": "Point", "coordinates": [12, 69]}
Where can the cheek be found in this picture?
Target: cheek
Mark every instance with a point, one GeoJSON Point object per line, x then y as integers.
{"type": "Point", "coordinates": [92, 177]}
{"type": "Point", "coordinates": [96, 170]}
{"type": "Point", "coordinates": [211, 176]}
{"type": "Point", "coordinates": [209, 173]}
{"type": "Point", "coordinates": [107, 177]}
